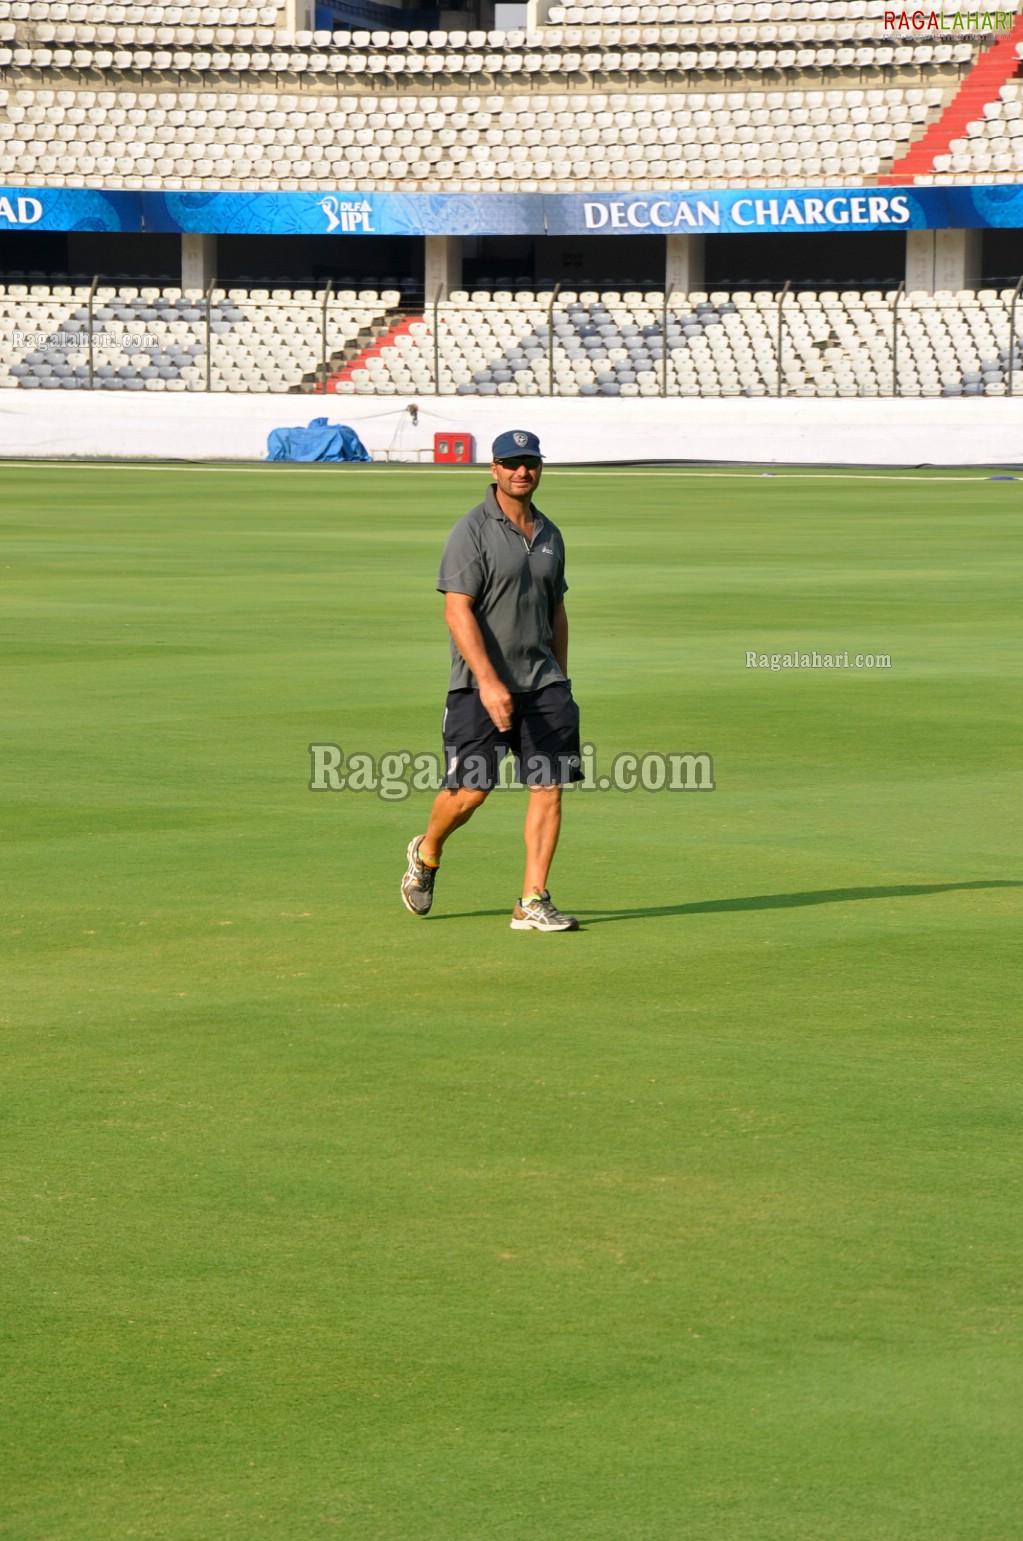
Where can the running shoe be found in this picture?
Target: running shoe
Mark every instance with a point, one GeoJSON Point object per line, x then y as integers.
{"type": "Point", "coordinates": [539, 913]}
{"type": "Point", "coordinates": [417, 884]}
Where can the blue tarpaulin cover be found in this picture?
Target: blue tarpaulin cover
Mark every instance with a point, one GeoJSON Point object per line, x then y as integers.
{"type": "Point", "coordinates": [320, 441]}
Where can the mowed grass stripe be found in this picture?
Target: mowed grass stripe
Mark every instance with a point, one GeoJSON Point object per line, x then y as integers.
{"type": "Point", "coordinates": [699, 1223]}
{"type": "Point", "coordinates": [735, 471]}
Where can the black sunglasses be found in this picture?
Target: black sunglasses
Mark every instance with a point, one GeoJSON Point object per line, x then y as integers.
{"type": "Point", "coordinates": [528, 462]}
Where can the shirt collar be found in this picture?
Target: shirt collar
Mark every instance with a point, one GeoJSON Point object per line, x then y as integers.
{"type": "Point", "coordinates": [493, 509]}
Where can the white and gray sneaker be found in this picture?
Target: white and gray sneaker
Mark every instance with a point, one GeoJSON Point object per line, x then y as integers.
{"type": "Point", "coordinates": [539, 913]}
{"type": "Point", "coordinates": [417, 884]}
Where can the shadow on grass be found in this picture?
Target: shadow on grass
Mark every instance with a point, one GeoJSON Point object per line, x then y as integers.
{"type": "Point", "coordinates": [766, 901]}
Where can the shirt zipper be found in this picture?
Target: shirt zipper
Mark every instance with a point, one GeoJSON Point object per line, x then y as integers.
{"type": "Point", "coordinates": [525, 542]}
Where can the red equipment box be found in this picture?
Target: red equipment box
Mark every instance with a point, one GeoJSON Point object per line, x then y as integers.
{"type": "Point", "coordinates": [454, 449]}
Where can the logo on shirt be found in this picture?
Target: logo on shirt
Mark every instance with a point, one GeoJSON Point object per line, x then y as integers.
{"type": "Point", "coordinates": [546, 550]}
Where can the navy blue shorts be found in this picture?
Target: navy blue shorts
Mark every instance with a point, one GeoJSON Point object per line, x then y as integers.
{"type": "Point", "coordinates": [543, 737]}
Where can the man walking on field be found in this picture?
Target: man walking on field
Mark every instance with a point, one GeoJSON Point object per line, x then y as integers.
{"type": "Point", "coordinates": [503, 578]}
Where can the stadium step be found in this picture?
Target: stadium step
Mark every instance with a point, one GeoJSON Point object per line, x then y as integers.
{"type": "Point", "coordinates": [363, 344]}
{"type": "Point", "coordinates": [996, 65]}
{"type": "Point", "coordinates": [401, 326]}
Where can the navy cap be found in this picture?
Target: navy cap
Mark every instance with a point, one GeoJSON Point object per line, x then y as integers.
{"type": "Point", "coordinates": [515, 442]}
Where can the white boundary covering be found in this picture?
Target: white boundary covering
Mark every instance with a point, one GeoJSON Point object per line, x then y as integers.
{"type": "Point", "coordinates": [756, 430]}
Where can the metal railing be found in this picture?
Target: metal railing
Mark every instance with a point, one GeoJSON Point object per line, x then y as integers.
{"type": "Point", "coordinates": [547, 343]}
{"type": "Point", "coordinates": [781, 336]}
{"type": "Point", "coordinates": [1012, 336]}
{"type": "Point", "coordinates": [895, 337]}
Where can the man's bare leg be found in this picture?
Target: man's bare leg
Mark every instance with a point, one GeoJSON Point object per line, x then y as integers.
{"type": "Point", "coordinates": [450, 811]}
{"type": "Point", "coordinates": [543, 826]}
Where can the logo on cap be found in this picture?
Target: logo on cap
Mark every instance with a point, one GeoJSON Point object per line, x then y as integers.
{"type": "Point", "coordinates": [521, 439]}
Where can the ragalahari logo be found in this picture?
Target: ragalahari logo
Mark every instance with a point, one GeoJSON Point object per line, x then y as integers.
{"type": "Point", "coordinates": [951, 22]}
{"type": "Point", "coordinates": [348, 216]}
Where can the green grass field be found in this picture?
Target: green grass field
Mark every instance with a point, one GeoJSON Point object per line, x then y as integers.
{"type": "Point", "coordinates": [702, 1224]}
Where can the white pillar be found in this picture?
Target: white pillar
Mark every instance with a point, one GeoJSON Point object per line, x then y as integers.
{"type": "Point", "coordinates": [683, 263]}
{"type": "Point", "coordinates": [942, 259]}
{"type": "Point", "coordinates": [957, 259]}
{"type": "Point", "coordinates": [443, 265]}
{"type": "Point", "coordinates": [299, 15]}
{"type": "Point", "coordinates": [198, 261]}
{"type": "Point", "coordinates": [920, 261]}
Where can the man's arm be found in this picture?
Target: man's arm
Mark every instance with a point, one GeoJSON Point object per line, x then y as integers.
{"type": "Point", "coordinates": [559, 639]}
{"type": "Point", "coordinates": [468, 639]}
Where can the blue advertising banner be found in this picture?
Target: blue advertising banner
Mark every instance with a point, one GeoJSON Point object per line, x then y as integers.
{"type": "Point", "coordinates": [990, 208]}
{"type": "Point", "coordinates": [746, 211]}
{"type": "Point", "coordinates": [345, 213]}
{"type": "Point", "coordinates": [67, 208]}
{"type": "Point", "coordinates": [761, 211]}
{"type": "Point", "coordinates": [749, 211]}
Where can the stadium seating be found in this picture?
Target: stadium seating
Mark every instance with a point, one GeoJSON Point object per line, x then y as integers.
{"type": "Point", "coordinates": [992, 148]}
{"type": "Point", "coordinates": [205, 140]}
{"type": "Point", "coordinates": [594, 97]}
{"type": "Point", "coordinates": [685, 42]}
{"type": "Point", "coordinates": [603, 96]}
{"type": "Point", "coordinates": [589, 343]}
{"type": "Point", "coordinates": [156, 339]}
{"type": "Point", "coordinates": [228, 54]}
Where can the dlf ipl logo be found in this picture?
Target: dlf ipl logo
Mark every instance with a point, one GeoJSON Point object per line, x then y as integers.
{"type": "Point", "coordinates": [348, 216]}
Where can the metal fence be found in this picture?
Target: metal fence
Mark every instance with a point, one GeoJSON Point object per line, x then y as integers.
{"type": "Point", "coordinates": [561, 343]}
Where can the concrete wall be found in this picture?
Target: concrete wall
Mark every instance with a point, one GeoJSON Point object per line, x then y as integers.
{"type": "Point", "coordinates": [198, 261]}
{"type": "Point", "coordinates": [943, 259]}
{"type": "Point", "coordinates": [442, 266]}
{"type": "Point", "coordinates": [196, 426]}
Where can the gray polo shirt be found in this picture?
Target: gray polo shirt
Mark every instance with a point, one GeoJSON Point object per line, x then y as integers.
{"type": "Point", "coordinates": [516, 585]}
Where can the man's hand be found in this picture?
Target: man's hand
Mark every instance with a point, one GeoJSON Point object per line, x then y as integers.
{"type": "Point", "coordinates": [498, 702]}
